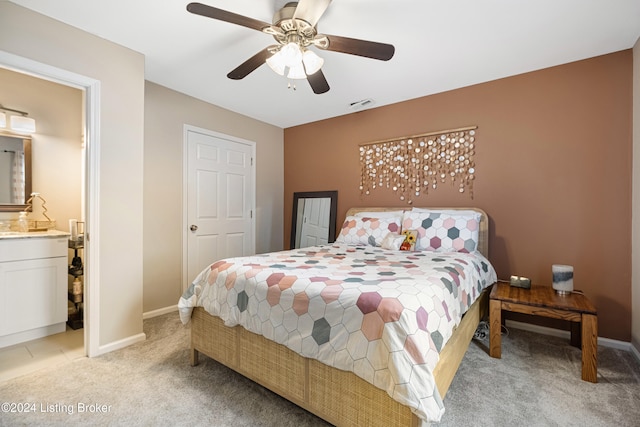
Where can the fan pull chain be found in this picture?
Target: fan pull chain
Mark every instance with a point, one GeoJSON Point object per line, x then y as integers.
{"type": "Point", "coordinates": [289, 86]}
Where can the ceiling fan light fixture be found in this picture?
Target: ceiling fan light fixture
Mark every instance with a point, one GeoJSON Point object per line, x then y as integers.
{"type": "Point", "coordinates": [276, 63]}
{"type": "Point", "coordinates": [297, 72]}
{"type": "Point", "coordinates": [294, 29]}
{"type": "Point", "coordinates": [291, 54]}
{"type": "Point", "coordinates": [312, 62]}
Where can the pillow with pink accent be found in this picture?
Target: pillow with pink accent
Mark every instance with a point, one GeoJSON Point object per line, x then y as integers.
{"type": "Point", "coordinates": [367, 230]}
{"type": "Point", "coordinates": [444, 231]}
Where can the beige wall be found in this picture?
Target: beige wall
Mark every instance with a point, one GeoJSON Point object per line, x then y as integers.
{"type": "Point", "coordinates": [553, 162]}
{"type": "Point", "coordinates": [635, 323]}
{"type": "Point", "coordinates": [118, 235]}
{"type": "Point", "coordinates": [166, 113]}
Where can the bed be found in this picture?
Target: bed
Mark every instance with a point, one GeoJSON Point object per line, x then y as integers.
{"type": "Point", "coordinates": [346, 330]}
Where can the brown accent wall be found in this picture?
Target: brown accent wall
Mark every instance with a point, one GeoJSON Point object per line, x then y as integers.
{"type": "Point", "coordinates": [553, 171]}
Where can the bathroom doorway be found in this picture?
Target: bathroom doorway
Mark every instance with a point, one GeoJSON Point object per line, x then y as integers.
{"type": "Point", "coordinates": [75, 193]}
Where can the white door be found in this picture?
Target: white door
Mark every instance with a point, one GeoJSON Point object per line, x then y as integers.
{"type": "Point", "coordinates": [220, 199]}
{"type": "Point", "coordinates": [315, 222]}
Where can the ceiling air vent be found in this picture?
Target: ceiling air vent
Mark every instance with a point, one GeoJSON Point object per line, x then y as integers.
{"type": "Point", "coordinates": [359, 105]}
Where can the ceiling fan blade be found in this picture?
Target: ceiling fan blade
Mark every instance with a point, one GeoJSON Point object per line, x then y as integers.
{"type": "Point", "coordinates": [251, 64]}
{"type": "Point", "coordinates": [368, 49]}
{"type": "Point", "coordinates": [223, 15]}
{"type": "Point", "coordinates": [318, 82]}
{"type": "Point", "coordinates": [311, 10]}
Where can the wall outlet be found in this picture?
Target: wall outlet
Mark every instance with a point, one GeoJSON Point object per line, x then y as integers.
{"type": "Point", "coordinates": [521, 282]}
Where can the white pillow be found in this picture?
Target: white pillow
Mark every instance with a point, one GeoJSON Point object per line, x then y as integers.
{"type": "Point", "coordinates": [367, 230]}
{"type": "Point", "coordinates": [445, 231]}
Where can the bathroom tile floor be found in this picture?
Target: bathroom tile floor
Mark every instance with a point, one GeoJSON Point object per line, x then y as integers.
{"type": "Point", "coordinates": [30, 356]}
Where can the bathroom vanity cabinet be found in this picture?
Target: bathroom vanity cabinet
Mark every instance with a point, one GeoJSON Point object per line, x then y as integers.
{"type": "Point", "coordinates": [33, 285]}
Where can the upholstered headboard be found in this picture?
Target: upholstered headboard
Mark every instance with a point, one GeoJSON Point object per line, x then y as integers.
{"type": "Point", "coordinates": [483, 232]}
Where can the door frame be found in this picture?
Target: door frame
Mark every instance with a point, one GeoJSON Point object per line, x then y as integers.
{"type": "Point", "coordinates": [185, 192]}
{"type": "Point", "coordinates": [91, 202]}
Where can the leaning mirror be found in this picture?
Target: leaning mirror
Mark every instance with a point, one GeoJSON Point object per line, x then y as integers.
{"type": "Point", "coordinates": [314, 218]}
{"type": "Point", "coordinates": [15, 172]}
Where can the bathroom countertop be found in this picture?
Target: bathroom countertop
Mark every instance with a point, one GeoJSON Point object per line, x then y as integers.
{"type": "Point", "coordinates": [32, 234]}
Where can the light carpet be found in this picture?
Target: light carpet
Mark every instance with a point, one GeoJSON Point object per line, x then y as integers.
{"type": "Point", "coordinates": [536, 383]}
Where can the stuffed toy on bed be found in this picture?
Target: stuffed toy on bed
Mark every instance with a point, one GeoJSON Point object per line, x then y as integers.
{"type": "Point", "coordinates": [410, 237]}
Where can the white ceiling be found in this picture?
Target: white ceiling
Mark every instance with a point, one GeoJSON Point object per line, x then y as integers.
{"type": "Point", "coordinates": [440, 45]}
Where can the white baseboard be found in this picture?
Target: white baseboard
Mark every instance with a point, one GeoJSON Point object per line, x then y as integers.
{"type": "Point", "coordinates": [159, 312]}
{"type": "Point", "coordinates": [606, 342]}
{"type": "Point", "coordinates": [117, 345]}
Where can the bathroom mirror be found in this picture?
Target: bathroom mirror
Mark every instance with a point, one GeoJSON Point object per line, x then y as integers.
{"type": "Point", "coordinates": [314, 218]}
{"type": "Point", "coordinates": [15, 172]}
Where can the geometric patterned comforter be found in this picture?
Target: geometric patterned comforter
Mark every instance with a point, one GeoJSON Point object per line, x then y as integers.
{"type": "Point", "coordinates": [384, 315]}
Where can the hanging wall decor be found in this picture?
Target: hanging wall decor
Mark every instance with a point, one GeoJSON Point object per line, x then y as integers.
{"type": "Point", "coordinates": [411, 165]}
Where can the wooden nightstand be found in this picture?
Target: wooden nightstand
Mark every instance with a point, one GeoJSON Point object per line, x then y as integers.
{"type": "Point", "coordinates": [543, 301]}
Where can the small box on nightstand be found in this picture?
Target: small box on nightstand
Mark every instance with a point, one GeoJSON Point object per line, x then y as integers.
{"type": "Point", "coordinates": [520, 282]}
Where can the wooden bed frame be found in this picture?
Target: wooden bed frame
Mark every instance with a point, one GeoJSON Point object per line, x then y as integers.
{"type": "Point", "coordinates": [337, 396]}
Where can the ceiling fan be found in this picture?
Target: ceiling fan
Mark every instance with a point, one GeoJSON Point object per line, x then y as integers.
{"type": "Point", "coordinates": [294, 28]}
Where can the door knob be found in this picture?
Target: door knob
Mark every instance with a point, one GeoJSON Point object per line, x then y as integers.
{"type": "Point", "coordinates": [193, 227]}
